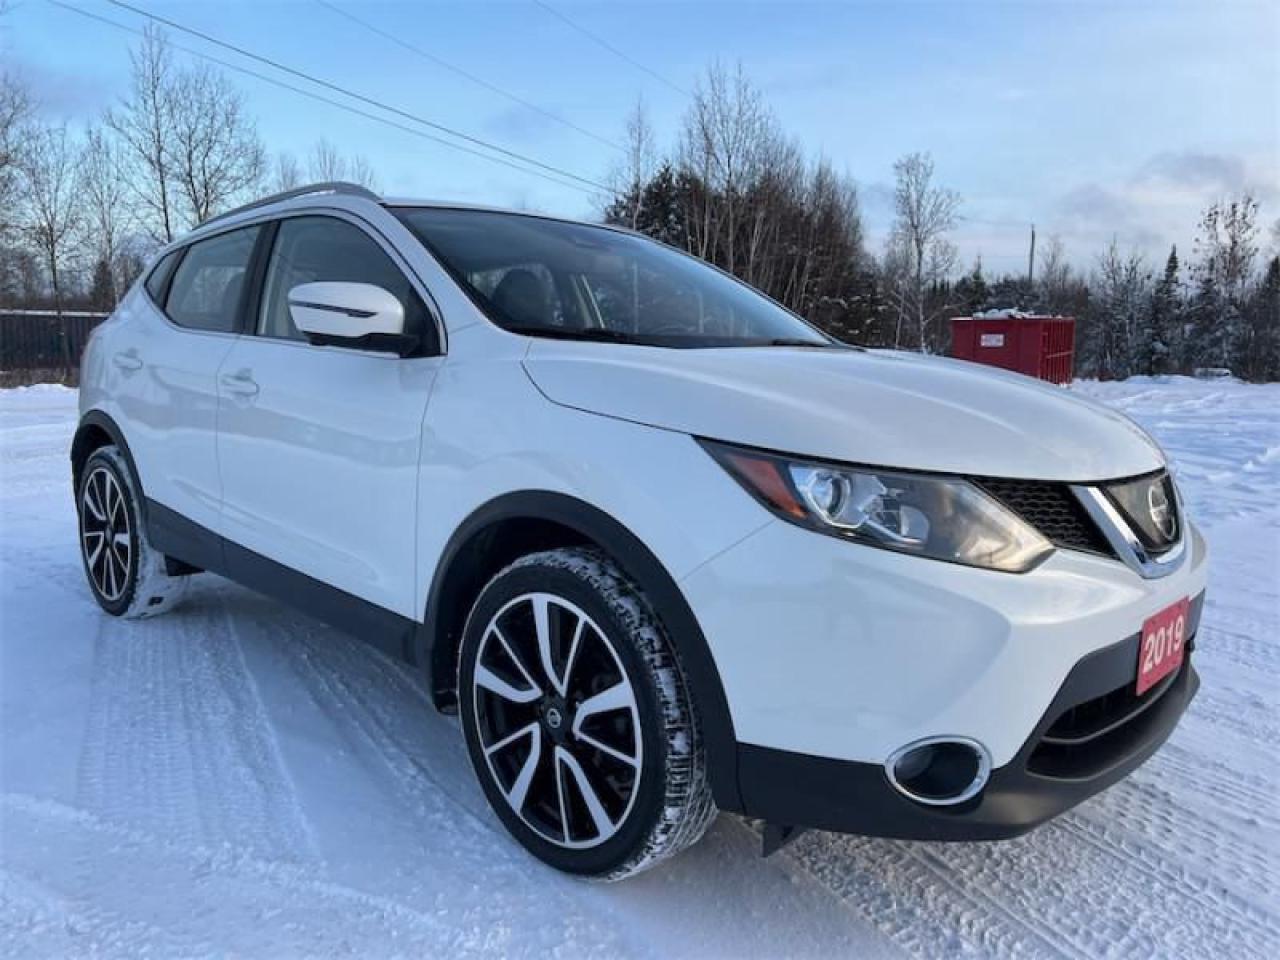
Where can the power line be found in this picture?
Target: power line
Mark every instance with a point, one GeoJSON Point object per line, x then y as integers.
{"type": "Point", "coordinates": [310, 94]}
{"type": "Point", "coordinates": [479, 81]}
{"type": "Point", "coordinates": [327, 84]}
{"type": "Point", "coordinates": [596, 38]}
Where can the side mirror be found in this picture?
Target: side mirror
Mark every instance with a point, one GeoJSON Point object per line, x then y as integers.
{"type": "Point", "coordinates": [359, 315]}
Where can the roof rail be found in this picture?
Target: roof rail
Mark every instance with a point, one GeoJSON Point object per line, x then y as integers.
{"type": "Point", "coordinates": [331, 186]}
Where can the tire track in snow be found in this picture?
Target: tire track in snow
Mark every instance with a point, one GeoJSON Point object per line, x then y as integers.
{"type": "Point", "coordinates": [919, 903]}
{"type": "Point", "coordinates": [387, 717]}
{"type": "Point", "coordinates": [178, 741]}
{"type": "Point", "coordinates": [1242, 794]}
{"type": "Point", "coordinates": [1153, 865]}
{"type": "Point", "coordinates": [200, 900]}
{"type": "Point", "coordinates": [1241, 647]}
{"type": "Point", "coordinates": [1069, 889]}
{"type": "Point", "coordinates": [1150, 810]}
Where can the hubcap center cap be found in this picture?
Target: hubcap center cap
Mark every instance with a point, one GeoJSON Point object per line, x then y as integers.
{"type": "Point", "coordinates": [555, 718]}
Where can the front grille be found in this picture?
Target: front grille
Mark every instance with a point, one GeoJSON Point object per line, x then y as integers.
{"type": "Point", "coordinates": [1053, 510]}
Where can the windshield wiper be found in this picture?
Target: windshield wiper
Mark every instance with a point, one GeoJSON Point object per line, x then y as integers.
{"type": "Point", "coordinates": [571, 333]}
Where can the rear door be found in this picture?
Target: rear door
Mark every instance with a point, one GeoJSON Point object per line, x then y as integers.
{"type": "Point", "coordinates": [319, 446]}
{"type": "Point", "coordinates": [164, 371]}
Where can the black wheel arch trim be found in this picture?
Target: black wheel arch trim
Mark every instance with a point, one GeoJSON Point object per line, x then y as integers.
{"type": "Point", "coordinates": [639, 562]}
{"type": "Point", "coordinates": [100, 420]}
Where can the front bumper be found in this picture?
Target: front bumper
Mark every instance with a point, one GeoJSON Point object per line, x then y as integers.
{"type": "Point", "coordinates": [833, 655]}
{"type": "Point", "coordinates": [1049, 775]}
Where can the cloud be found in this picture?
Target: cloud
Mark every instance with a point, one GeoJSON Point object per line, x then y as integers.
{"type": "Point", "coordinates": [1195, 171]}
{"type": "Point", "coordinates": [1160, 202]}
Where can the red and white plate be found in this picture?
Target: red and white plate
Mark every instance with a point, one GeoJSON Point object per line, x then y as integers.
{"type": "Point", "coordinates": [1164, 644]}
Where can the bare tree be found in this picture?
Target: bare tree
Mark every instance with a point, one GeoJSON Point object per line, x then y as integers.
{"type": "Point", "coordinates": [51, 215]}
{"type": "Point", "coordinates": [725, 133]}
{"type": "Point", "coordinates": [638, 166]}
{"type": "Point", "coordinates": [144, 121]}
{"type": "Point", "coordinates": [104, 201]}
{"type": "Point", "coordinates": [216, 153]}
{"type": "Point", "coordinates": [1054, 278]}
{"type": "Point", "coordinates": [326, 162]}
{"type": "Point", "coordinates": [285, 174]}
{"type": "Point", "coordinates": [15, 110]}
{"type": "Point", "coordinates": [1226, 249]}
{"type": "Point", "coordinates": [360, 171]}
{"type": "Point", "coordinates": [1121, 286]}
{"type": "Point", "coordinates": [925, 213]}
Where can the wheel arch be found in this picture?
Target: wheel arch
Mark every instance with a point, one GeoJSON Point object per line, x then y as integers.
{"type": "Point", "coordinates": [97, 429]}
{"type": "Point", "coordinates": [517, 523]}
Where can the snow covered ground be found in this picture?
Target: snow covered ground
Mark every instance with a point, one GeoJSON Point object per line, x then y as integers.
{"type": "Point", "coordinates": [237, 779]}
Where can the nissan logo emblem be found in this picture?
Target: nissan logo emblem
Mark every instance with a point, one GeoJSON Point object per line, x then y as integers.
{"type": "Point", "coordinates": [1161, 514]}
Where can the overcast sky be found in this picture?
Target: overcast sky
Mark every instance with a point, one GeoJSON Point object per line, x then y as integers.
{"type": "Point", "coordinates": [1090, 118]}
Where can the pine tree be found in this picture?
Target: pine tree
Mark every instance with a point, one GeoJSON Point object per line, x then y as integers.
{"type": "Point", "coordinates": [1262, 352]}
{"type": "Point", "coordinates": [102, 292]}
{"type": "Point", "coordinates": [971, 290]}
{"type": "Point", "coordinates": [1157, 348]}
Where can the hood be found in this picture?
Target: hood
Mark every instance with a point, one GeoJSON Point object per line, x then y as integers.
{"type": "Point", "coordinates": [876, 407]}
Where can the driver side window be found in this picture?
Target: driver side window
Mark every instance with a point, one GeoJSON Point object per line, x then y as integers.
{"type": "Point", "coordinates": [310, 249]}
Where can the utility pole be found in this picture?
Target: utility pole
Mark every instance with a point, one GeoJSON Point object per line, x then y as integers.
{"type": "Point", "coordinates": [1031, 260]}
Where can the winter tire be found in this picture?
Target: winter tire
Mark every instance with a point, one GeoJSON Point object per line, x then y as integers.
{"type": "Point", "coordinates": [578, 719]}
{"type": "Point", "coordinates": [128, 578]}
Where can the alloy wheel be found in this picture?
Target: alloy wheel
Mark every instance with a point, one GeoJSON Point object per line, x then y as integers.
{"type": "Point", "coordinates": [558, 721]}
{"type": "Point", "coordinates": [105, 536]}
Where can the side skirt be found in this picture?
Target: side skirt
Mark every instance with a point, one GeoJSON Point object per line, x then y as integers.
{"type": "Point", "coordinates": [181, 539]}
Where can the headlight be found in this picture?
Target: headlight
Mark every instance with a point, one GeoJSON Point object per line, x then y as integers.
{"type": "Point", "coordinates": [945, 518]}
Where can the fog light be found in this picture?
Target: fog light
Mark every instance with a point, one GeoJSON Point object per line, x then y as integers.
{"type": "Point", "coordinates": [939, 771]}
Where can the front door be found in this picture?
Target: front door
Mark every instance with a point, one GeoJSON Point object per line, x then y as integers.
{"type": "Point", "coordinates": [318, 446]}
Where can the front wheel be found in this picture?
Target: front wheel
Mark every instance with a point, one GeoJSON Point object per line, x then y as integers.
{"type": "Point", "coordinates": [578, 719]}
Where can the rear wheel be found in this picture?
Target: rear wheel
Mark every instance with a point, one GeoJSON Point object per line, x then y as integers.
{"type": "Point", "coordinates": [127, 576]}
{"type": "Point", "coordinates": [578, 719]}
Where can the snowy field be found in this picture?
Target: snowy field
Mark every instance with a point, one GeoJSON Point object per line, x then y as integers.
{"type": "Point", "coordinates": [237, 779]}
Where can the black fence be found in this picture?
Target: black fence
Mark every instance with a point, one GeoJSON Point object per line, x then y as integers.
{"type": "Point", "coordinates": [40, 340]}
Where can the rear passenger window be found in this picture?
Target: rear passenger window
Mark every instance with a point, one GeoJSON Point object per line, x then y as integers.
{"type": "Point", "coordinates": [311, 249]}
{"type": "Point", "coordinates": [206, 289]}
{"type": "Point", "coordinates": [160, 275]}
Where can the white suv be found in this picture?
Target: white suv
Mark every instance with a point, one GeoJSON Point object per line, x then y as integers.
{"type": "Point", "coordinates": [663, 546]}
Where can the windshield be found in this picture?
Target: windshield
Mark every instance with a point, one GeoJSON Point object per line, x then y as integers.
{"type": "Point", "coordinates": [573, 281]}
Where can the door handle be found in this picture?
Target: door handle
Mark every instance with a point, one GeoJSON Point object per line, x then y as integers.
{"type": "Point", "coordinates": [241, 383]}
{"type": "Point", "coordinates": [127, 360]}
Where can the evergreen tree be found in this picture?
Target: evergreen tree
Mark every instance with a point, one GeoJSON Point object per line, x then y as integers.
{"type": "Point", "coordinates": [1157, 348]}
{"type": "Point", "coordinates": [102, 291]}
{"type": "Point", "coordinates": [1261, 354]}
{"type": "Point", "coordinates": [971, 290]}
{"type": "Point", "coordinates": [1204, 343]}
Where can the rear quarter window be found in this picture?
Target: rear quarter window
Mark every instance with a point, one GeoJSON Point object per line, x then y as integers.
{"type": "Point", "coordinates": [158, 279]}
{"type": "Point", "coordinates": [209, 282]}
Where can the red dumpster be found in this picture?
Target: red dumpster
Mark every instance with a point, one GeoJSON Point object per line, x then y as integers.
{"type": "Point", "coordinates": [1038, 346]}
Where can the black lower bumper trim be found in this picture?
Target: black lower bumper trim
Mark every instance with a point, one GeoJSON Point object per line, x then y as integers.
{"type": "Point", "coordinates": [782, 787]}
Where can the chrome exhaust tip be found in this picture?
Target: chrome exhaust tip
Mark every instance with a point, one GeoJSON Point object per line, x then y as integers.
{"type": "Point", "coordinates": [939, 771]}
